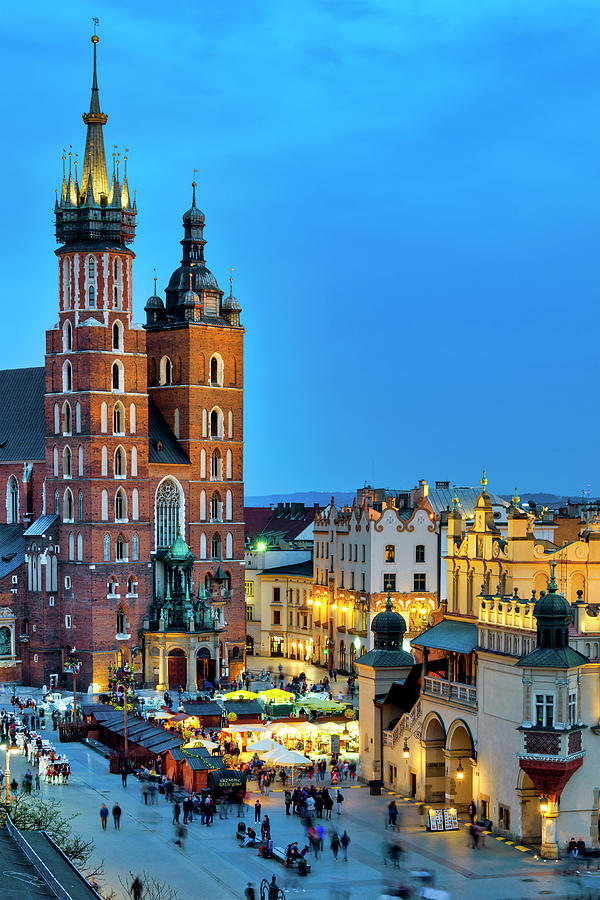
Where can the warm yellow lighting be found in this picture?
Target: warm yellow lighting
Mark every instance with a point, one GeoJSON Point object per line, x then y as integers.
{"type": "Point", "coordinates": [432, 812]}
{"type": "Point", "coordinates": [317, 602]}
{"type": "Point", "coordinates": [310, 601]}
{"type": "Point", "coordinates": [405, 750]}
{"type": "Point", "coordinates": [344, 609]}
{"type": "Point", "coordinates": [460, 772]}
{"type": "Point", "coordinates": [543, 805]}
{"type": "Point", "coordinates": [423, 610]}
{"type": "Point", "coordinates": [334, 606]}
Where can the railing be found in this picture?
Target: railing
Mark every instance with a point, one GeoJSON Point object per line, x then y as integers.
{"type": "Point", "coordinates": [40, 866]}
{"type": "Point", "coordinates": [405, 723]}
{"type": "Point", "coordinates": [450, 690]}
{"type": "Point", "coordinates": [551, 745]}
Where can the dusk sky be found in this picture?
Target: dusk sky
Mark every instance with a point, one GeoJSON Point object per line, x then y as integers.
{"type": "Point", "coordinates": [408, 191]}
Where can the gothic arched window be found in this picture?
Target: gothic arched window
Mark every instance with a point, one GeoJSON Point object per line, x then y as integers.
{"type": "Point", "coordinates": [118, 419]}
{"type": "Point", "coordinates": [118, 380]}
{"type": "Point", "coordinates": [12, 501]}
{"type": "Point", "coordinates": [91, 267]}
{"type": "Point", "coordinates": [80, 510]}
{"type": "Point", "coordinates": [166, 370]}
{"type": "Point", "coordinates": [168, 512]}
{"type": "Point", "coordinates": [67, 423]}
{"type": "Point", "coordinates": [106, 548]}
{"type": "Point", "coordinates": [68, 506]}
{"type": "Point", "coordinates": [91, 296]}
{"type": "Point", "coordinates": [135, 547]}
{"type": "Point", "coordinates": [117, 336]}
{"type": "Point", "coordinates": [120, 505]}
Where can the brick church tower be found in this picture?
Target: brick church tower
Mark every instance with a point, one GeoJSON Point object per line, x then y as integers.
{"type": "Point", "coordinates": [96, 413]}
{"type": "Point", "coordinates": [138, 553]}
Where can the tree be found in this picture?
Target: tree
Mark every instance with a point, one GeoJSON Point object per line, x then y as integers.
{"type": "Point", "coordinates": [151, 888]}
{"type": "Point", "coordinates": [34, 814]}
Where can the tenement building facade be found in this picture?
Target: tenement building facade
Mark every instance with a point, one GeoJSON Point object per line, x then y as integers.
{"type": "Point", "coordinates": [502, 704]}
{"type": "Point", "coordinates": [121, 459]}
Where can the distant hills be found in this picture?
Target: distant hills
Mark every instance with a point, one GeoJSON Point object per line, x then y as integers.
{"type": "Point", "coordinates": [342, 498]}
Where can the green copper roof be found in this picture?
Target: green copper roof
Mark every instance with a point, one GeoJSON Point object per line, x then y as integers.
{"type": "Point", "coordinates": [553, 658]}
{"type": "Point", "coordinates": [386, 659]}
{"type": "Point", "coordinates": [449, 635]}
{"type": "Point", "coordinates": [179, 549]}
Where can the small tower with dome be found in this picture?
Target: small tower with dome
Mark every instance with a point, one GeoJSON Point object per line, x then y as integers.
{"type": "Point", "coordinates": [386, 664]}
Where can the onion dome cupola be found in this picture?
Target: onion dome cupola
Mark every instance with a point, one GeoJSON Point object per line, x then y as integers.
{"type": "Point", "coordinates": [230, 306]}
{"type": "Point", "coordinates": [154, 308]}
{"type": "Point", "coordinates": [193, 274]}
{"type": "Point", "coordinates": [91, 211]}
{"type": "Point", "coordinates": [388, 628]}
{"type": "Point", "coordinates": [553, 614]}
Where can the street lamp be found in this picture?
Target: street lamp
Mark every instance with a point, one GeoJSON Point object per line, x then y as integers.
{"type": "Point", "coordinates": [543, 804]}
{"type": "Point", "coordinates": [460, 772]}
{"type": "Point", "coordinates": [8, 751]}
{"type": "Point", "coordinates": [405, 750]}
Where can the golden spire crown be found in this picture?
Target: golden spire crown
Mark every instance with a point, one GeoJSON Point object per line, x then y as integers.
{"type": "Point", "coordinates": [484, 481]}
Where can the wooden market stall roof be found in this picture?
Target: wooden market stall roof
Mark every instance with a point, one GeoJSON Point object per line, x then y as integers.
{"type": "Point", "coordinates": [139, 731]}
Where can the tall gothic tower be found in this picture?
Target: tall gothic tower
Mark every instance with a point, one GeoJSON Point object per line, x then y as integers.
{"type": "Point", "coordinates": [195, 379]}
{"type": "Point", "coordinates": [97, 414]}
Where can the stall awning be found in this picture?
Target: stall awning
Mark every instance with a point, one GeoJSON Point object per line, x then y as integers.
{"type": "Point", "coordinates": [449, 635]}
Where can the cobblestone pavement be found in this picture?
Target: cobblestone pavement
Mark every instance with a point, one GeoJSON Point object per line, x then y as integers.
{"type": "Point", "coordinates": [215, 864]}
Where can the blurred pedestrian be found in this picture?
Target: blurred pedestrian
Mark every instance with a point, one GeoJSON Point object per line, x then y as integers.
{"type": "Point", "coordinates": [180, 835]}
{"type": "Point", "coordinates": [344, 841]}
{"type": "Point", "coordinates": [472, 810]}
{"type": "Point", "coordinates": [103, 815]}
{"type": "Point", "coordinates": [176, 812]}
{"type": "Point", "coordinates": [136, 889]}
{"type": "Point", "coordinates": [335, 844]}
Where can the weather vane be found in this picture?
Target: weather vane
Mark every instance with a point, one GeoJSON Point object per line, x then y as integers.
{"type": "Point", "coordinates": [96, 23]}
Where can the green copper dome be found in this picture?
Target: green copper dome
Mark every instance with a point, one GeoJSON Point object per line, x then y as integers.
{"type": "Point", "coordinates": [179, 549]}
{"type": "Point", "coordinates": [552, 605]}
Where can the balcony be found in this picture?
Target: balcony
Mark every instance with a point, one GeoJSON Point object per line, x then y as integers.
{"type": "Point", "coordinates": [551, 746]}
{"type": "Point", "coordinates": [452, 691]}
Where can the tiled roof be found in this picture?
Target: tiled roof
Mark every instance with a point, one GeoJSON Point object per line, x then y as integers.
{"type": "Point", "coordinates": [278, 524]}
{"type": "Point", "coordinates": [41, 525]}
{"type": "Point", "coordinates": [158, 431]}
{"type": "Point", "coordinates": [12, 548]}
{"type": "Point", "coordinates": [441, 499]}
{"type": "Point", "coordinates": [207, 708]}
{"type": "Point", "coordinates": [303, 568]}
{"type": "Point", "coordinates": [22, 417]}
{"type": "Point", "coordinates": [244, 707]}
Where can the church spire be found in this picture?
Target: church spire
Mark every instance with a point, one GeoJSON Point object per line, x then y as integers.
{"type": "Point", "coordinates": [94, 161]}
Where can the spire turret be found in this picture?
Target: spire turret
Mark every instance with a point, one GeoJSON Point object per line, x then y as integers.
{"type": "Point", "coordinates": [94, 161]}
{"type": "Point", "coordinates": [78, 216]}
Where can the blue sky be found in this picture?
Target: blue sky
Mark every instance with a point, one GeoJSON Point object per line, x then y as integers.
{"type": "Point", "coordinates": [408, 190]}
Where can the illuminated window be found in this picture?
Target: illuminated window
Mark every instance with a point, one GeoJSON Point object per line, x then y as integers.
{"type": "Point", "coordinates": [390, 553]}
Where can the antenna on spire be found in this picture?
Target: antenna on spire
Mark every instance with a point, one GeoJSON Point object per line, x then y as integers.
{"type": "Point", "coordinates": [96, 23]}
{"type": "Point", "coordinates": [70, 155]}
{"type": "Point", "coordinates": [194, 188]}
{"type": "Point", "coordinates": [155, 281]}
{"type": "Point", "coordinates": [125, 162]}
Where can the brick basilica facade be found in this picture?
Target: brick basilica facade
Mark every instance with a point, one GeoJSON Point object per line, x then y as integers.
{"type": "Point", "coordinates": [121, 460]}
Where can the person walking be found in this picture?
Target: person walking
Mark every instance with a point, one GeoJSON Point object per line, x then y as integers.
{"type": "Point", "coordinates": [124, 775]}
{"type": "Point", "coordinates": [339, 801]}
{"type": "Point", "coordinates": [265, 828]}
{"type": "Point", "coordinates": [392, 814]}
{"type": "Point", "coordinates": [328, 804]}
{"type": "Point", "coordinates": [116, 811]}
{"type": "Point", "coordinates": [176, 812]}
{"type": "Point", "coordinates": [136, 889]}
{"type": "Point", "coordinates": [472, 810]}
{"type": "Point", "coordinates": [180, 835]}
{"type": "Point", "coordinates": [335, 844]}
{"type": "Point", "coordinates": [103, 815]}
{"type": "Point", "coordinates": [344, 841]}
{"type": "Point", "coordinates": [288, 803]}
{"type": "Point", "coordinates": [257, 809]}
{"type": "Point", "coordinates": [37, 781]}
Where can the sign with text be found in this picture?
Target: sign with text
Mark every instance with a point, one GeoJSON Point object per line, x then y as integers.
{"type": "Point", "coordinates": [442, 819]}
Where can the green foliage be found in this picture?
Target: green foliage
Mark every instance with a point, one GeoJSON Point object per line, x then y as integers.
{"type": "Point", "coordinates": [152, 888]}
